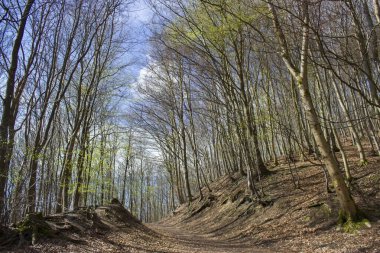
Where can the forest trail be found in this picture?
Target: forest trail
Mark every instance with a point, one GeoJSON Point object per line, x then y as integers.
{"type": "Point", "coordinates": [188, 241]}
{"type": "Point", "coordinates": [112, 228]}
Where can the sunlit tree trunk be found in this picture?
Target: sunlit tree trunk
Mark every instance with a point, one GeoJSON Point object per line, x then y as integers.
{"type": "Point", "coordinates": [347, 204]}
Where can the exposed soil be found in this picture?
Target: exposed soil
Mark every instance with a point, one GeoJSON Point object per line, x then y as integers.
{"type": "Point", "coordinates": [288, 219]}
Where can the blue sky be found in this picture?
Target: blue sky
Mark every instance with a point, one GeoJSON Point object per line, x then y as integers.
{"type": "Point", "coordinates": [139, 21]}
{"type": "Point", "coordinates": [137, 25]}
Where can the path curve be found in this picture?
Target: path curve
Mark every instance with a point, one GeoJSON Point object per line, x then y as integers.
{"type": "Point", "coordinates": [184, 241]}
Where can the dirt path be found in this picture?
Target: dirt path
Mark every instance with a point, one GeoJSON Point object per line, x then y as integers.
{"type": "Point", "coordinates": [115, 230]}
{"type": "Point", "coordinates": [185, 241]}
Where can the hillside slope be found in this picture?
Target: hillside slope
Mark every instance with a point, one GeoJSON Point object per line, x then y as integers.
{"type": "Point", "coordinates": [87, 230]}
{"type": "Point", "coordinates": [290, 219]}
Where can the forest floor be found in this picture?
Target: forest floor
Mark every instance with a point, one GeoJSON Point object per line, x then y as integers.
{"type": "Point", "coordinates": [298, 219]}
{"type": "Point", "coordinates": [112, 228]}
{"type": "Point", "coordinates": [290, 218]}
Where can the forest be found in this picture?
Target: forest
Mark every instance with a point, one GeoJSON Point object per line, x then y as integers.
{"type": "Point", "coordinates": [250, 90]}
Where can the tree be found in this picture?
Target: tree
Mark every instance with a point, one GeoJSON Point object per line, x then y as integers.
{"type": "Point", "coordinates": [11, 101]}
{"type": "Point", "coordinates": [349, 210]}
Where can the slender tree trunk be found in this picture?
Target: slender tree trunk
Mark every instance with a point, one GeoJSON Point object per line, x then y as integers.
{"type": "Point", "coordinates": [348, 207]}
{"type": "Point", "coordinates": [8, 116]}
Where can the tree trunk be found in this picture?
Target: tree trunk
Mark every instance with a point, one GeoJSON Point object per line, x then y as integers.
{"type": "Point", "coordinates": [8, 116]}
{"type": "Point", "coordinates": [349, 210]}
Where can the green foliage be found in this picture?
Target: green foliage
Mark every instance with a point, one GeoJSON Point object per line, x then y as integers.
{"type": "Point", "coordinates": [215, 24]}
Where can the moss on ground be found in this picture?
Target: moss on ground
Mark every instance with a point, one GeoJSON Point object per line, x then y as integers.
{"type": "Point", "coordinates": [352, 226]}
{"type": "Point", "coordinates": [363, 163]}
